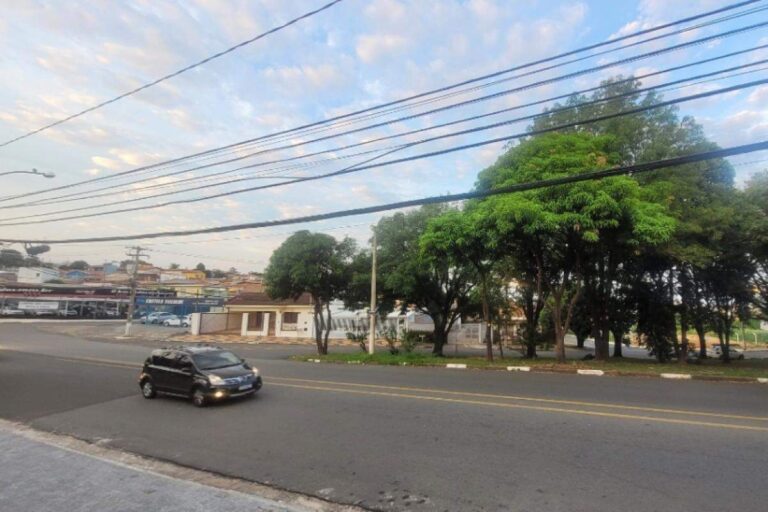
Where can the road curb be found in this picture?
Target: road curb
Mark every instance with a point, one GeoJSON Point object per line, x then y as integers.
{"type": "Point", "coordinates": [569, 371]}
{"type": "Point", "coordinates": [679, 376]}
{"type": "Point", "coordinates": [161, 468]}
{"type": "Point", "coordinates": [598, 373]}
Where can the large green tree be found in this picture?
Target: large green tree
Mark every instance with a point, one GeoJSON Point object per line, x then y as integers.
{"type": "Point", "coordinates": [408, 277]}
{"type": "Point", "coordinates": [313, 263]}
{"type": "Point", "coordinates": [567, 227]}
{"type": "Point", "coordinates": [757, 195]}
{"type": "Point", "coordinates": [467, 237]}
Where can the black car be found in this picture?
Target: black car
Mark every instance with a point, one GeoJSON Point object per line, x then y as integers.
{"type": "Point", "coordinates": [203, 373]}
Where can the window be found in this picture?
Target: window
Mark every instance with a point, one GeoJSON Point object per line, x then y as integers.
{"type": "Point", "coordinates": [290, 321]}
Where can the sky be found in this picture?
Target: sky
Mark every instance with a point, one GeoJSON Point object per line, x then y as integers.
{"type": "Point", "coordinates": [60, 58]}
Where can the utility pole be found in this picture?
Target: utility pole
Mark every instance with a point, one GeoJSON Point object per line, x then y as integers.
{"type": "Point", "coordinates": [372, 312]}
{"type": "Point", "coordinates": [135, 254]}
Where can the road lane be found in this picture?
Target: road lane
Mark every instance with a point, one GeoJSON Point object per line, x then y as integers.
{"type": "Point", "coordinates": [395, 452]}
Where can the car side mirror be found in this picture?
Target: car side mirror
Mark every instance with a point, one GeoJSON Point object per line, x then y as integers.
{"type": "Point", "coordinates": [186, 369]}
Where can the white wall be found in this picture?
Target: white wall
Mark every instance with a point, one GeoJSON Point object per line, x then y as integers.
{"type": "Point", "coordinates": [36, 275]}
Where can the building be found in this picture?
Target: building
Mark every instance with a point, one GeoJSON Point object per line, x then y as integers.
{"type": "Point", "coordinates": [73, 301]}
{"type": "Point", "coordinates": [36, 275]}
{"type": "Point", "coordinates": [193, 274]}
{"type": "Point", "coordinates": [259, 315]}
{"type": "Point", "coordinates": [76, 275]}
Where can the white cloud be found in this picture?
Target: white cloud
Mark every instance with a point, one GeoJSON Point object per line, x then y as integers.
{"type": "Point", "coordinates": [371, 48]}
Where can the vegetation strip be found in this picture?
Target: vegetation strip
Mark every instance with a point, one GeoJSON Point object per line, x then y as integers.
{"type": "Point", "coordinates": [626, 368]}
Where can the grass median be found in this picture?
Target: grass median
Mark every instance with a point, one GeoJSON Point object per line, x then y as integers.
{"type": "Point", "coordinates": [713, 368]}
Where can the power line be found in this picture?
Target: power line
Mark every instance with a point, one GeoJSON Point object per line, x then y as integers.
{"type": "Point", "coordinates": [409, 98]}
{"type": "Point", "coordinates": [364, 165]}
{"type": "Point", "coordinates": [172, 75]}
{"type": "Point", "coordinates": [477, 194]}
{"type": "Point", "coordinates": [704, 40]}
{"type": "Point", "coordinates": [261, 175]}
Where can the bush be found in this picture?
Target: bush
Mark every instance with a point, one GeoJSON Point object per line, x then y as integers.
{"type": "Point", "coordinates": [410, 340]}
{"type": "Point", "coordinates": [360, 338]}
{"type": "Point", "coordinates": [391, 337]}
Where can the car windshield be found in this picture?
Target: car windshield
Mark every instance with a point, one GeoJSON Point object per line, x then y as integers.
{"type": "Point", "coordinates": [214, 360]}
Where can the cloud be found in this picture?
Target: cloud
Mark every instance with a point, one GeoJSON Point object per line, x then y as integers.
{"type": "Point", "coordinates": [371, 48]}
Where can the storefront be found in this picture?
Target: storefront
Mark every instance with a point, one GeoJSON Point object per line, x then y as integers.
{"type": "Point", "coordinates": [67, 301]}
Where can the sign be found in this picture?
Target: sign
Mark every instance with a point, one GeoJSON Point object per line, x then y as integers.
{"type": "Point", "coordinates": [764, 325]}
{"type": "Point", "coordinates": [165, 301]}
{"type": "Point", "coordinates": [39, 306]}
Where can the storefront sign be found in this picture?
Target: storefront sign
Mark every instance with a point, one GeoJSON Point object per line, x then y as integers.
{"type": "Point", "coordinates": [39, 306]}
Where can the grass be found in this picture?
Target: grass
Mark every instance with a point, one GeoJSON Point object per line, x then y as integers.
{"type": "Point", "coordinates": [710, 368]}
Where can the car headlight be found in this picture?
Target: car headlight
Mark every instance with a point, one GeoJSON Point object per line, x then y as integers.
{"type": "Point", "coordinates": [216, 380]}
{"type": "Point", "coordinates": [255, 372]}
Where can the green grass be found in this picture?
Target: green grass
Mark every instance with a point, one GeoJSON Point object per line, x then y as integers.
{"type": "Point", "coordinates": [709, 368]}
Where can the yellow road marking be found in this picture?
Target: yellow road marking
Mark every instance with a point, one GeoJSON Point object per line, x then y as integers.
{"type": "Point", "coordinates": [529, 407]}
{"type": "Point", "coordinates": [531, 399]}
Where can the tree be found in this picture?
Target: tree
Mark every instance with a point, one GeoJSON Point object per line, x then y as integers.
{"type": "Point", "coordinates": [11, 258]}
{"type": "Point", "coordinates": [757, 194]}
{"type": "Point", "coordinates": [408, 278]}
{"type": "Point", "coordinates": [313, 263]}
{"type": "Point", "coordinates": [79, 265]}
{"type": "Point", "coordinates": [557, 233]}
{"type": "Point", "coordinates": [200, 266]}
{"type": "Point", "coordinates": [461, 238]}
{"type": "Point", "coordinates": [174, 266]}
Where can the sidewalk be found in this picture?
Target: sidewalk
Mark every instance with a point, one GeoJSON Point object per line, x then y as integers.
{"type": "Point", "coordinates": [36, 475]}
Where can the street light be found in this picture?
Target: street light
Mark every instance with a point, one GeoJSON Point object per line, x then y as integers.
{"type": "Point", "coordinates": [33, 171]}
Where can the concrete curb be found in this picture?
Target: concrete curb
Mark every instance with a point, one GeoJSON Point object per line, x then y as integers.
{"type": "Point", "coordinates": [598, 373]}
{"type": "Point", "coordinates": [679, 376]}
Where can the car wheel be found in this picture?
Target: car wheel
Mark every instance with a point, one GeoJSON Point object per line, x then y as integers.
{"type": "Point", "coordinates": [198, 398]}
{"type": "Point", "coordinates": [148, 390]}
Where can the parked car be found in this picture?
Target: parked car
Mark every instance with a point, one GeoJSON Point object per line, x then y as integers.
{"type": "Point", "coordinates": [734, 353]}
{"type": "Point", "coordinates": [172, 321]}
{"type": "Point", "coordinates": [155, 317]}
{"type": "Point", "coordinates": [67, 312]}
{"type": "Point", "coordinates": [7, 311]}
{"type": "Point", "coordinates": [203, 373]}
{"type": "Point", "coordinates": [161, 317]}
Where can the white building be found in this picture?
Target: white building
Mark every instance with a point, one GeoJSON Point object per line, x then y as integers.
{"type": "Point", "coordinates": [36, 275]}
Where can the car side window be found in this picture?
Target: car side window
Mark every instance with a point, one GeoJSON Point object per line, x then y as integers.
{"type": "Point", "coordinates": [167, 360]}
{"type": "Point", "coordinates": [184, 361]}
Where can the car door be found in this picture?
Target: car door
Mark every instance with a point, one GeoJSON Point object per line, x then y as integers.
{"type": "Point", "coordinates": [180, 376]}
{"type": "Point", "coordinates": [162, 370]}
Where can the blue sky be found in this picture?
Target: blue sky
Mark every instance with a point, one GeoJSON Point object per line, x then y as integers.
{"type": "Point", "coordinates": [61, 58]}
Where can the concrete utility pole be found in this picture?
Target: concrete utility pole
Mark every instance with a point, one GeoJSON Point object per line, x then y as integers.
{"type": "Point", "coordinates": [136, 254]}
{"type": "Point", "coordinates": [372, 312]}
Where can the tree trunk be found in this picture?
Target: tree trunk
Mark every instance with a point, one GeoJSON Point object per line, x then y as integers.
{"type": "Point", "coordinates": [701, 333]}
{"type": "Point", "coordinates": [487, 321]}
{"type": "Point", "coordinates": [683, 359]}
{"type": "Point", "coordinates": [440, 338]}
{"type": "Point", "coordinates": [617, 345]}
{"type": "Point", "coordinates": [327, 328]}
{"type": "Point", "coordinates": [557, 309]}
{"type": "Point", "coordinates": [580, 339]}
{"type": "Point", "coordinates": [317, 318]}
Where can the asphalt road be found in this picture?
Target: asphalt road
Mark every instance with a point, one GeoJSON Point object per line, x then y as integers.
{"type": "Point", "coordinates": [394, 438]}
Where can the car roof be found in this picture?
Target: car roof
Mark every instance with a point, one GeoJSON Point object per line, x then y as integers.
{"type": "Point", "coordinates": [190, 349]}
